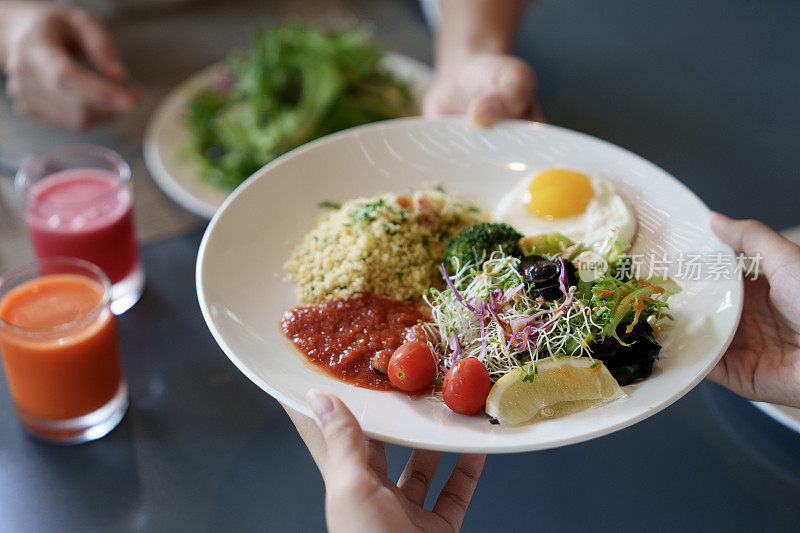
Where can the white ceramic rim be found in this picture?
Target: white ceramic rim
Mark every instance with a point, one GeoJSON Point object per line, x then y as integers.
{"type": "Point", "coordinates": [150, 148]}
{"type": "Point", "coordinates": [778, 413]}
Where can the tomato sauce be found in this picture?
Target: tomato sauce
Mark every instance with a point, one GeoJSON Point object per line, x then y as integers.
{"type": "Point", "coordinates": [341, 336]}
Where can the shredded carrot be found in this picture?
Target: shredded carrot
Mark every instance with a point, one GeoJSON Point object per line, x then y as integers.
{"type": "Point", "coordinates": [658, 289]}
{"type": "Point", "coordinates": [638, 307]}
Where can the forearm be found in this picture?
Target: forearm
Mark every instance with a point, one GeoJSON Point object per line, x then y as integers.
{"type": "Point", "coordinates": [6, 16]}
{"type": "Point", "coordinates": [10, 13]}
{"type": "Point", "coordinates": [470, 26]}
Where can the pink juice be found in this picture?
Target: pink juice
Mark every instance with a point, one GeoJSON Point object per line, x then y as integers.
{"type": "Point", "coordinates": [84, 213]}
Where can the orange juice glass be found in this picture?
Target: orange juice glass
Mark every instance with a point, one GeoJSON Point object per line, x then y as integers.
{"type": "Point", "coordinates": [58, 342]}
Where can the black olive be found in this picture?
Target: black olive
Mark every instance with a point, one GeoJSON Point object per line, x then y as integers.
{"type": "Point", "coordinates": [551, 292]}
{"type": "Point", "coordinates": [542, 275]}
{"type": "Point", "coordinates": [542, 271]}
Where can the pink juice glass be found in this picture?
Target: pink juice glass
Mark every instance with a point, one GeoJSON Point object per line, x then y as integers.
{"type": "Point", "coordinates": [78, 203]}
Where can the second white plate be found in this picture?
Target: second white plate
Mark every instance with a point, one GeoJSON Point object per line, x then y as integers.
{"type": "Point", "coordinates": [166, 139]}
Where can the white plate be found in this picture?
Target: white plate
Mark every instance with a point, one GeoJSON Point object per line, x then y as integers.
{"type": "Point", "coordinates": [788, 416]}
{"type": "Point", "coordinates": [167, 137]}
{"type": "Point", "coordinates": [243, 295]}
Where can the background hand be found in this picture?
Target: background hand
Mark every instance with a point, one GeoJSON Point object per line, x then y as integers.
{"type": "Point", "coordinates": [487, 86]}
{"type": "Point", "coordinates": [763, 361]}
{"type": "Point", "coordinates": [42, 43]}
{"type": "Point", "coordinates": [359, 495]}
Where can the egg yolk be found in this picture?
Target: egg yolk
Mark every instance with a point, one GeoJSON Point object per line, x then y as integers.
{"type": "Point", "coordinates": [559, 193]}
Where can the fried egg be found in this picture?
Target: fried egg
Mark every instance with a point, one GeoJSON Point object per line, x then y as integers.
{"type": "Point", "coordinates": [583, 208]}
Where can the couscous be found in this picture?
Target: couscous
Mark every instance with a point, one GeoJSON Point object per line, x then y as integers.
{"type": "Point", "coordinates": [389, 245]}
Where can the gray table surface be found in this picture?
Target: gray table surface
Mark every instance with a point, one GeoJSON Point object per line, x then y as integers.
{"type": "Point", "coordinates": [706, 90]}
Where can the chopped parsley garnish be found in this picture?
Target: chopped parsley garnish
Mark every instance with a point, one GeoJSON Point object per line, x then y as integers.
{"type": "Point", "coordinates": [368, 211]}
{"type": "Point", "coordinates": [426, 241]}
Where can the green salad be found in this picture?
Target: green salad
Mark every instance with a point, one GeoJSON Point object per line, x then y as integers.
{"type": "Point", "coordinates": [293, 85]}
{"type": "Point", "coordinates": [517, 302]}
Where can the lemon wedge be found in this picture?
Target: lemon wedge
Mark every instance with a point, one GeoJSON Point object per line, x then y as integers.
{"type": "Point", "coordinates": [560, 386]}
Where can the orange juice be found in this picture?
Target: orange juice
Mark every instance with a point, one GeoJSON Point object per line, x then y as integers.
{"type": "Point", "coordinates": [58, 342]}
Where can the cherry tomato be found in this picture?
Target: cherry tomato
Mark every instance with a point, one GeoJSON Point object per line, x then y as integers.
{"type": "Point", "coordinates": [412, 366]}
{"type": "Point", "coordinates": [466, 386]}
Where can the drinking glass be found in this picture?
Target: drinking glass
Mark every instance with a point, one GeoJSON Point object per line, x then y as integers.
{"type": "Point", "coordinates": [58, 343]}
{"type": "Point", "coordinates": [79, 203]}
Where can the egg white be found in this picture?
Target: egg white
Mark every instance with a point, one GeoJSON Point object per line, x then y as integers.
{"type": "Point", "coordinates": [606, 211]}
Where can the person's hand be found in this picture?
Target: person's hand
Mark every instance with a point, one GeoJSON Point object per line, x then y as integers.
{"type": "Point", "coordinates": [763, 361]}
{"type": "Point", "coordinates": [488, 87]}
{"type": "Point", "coordinates": [42, 44]}
{"type": "Point", "coordinates": [359, 495]}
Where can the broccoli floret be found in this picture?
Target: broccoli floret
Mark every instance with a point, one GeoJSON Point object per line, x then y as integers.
{"type": "Point", "coordinates": [475, 243]}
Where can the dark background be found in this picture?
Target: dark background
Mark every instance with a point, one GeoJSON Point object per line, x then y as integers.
{"type": "Point", "coordinates": [707, 90]}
